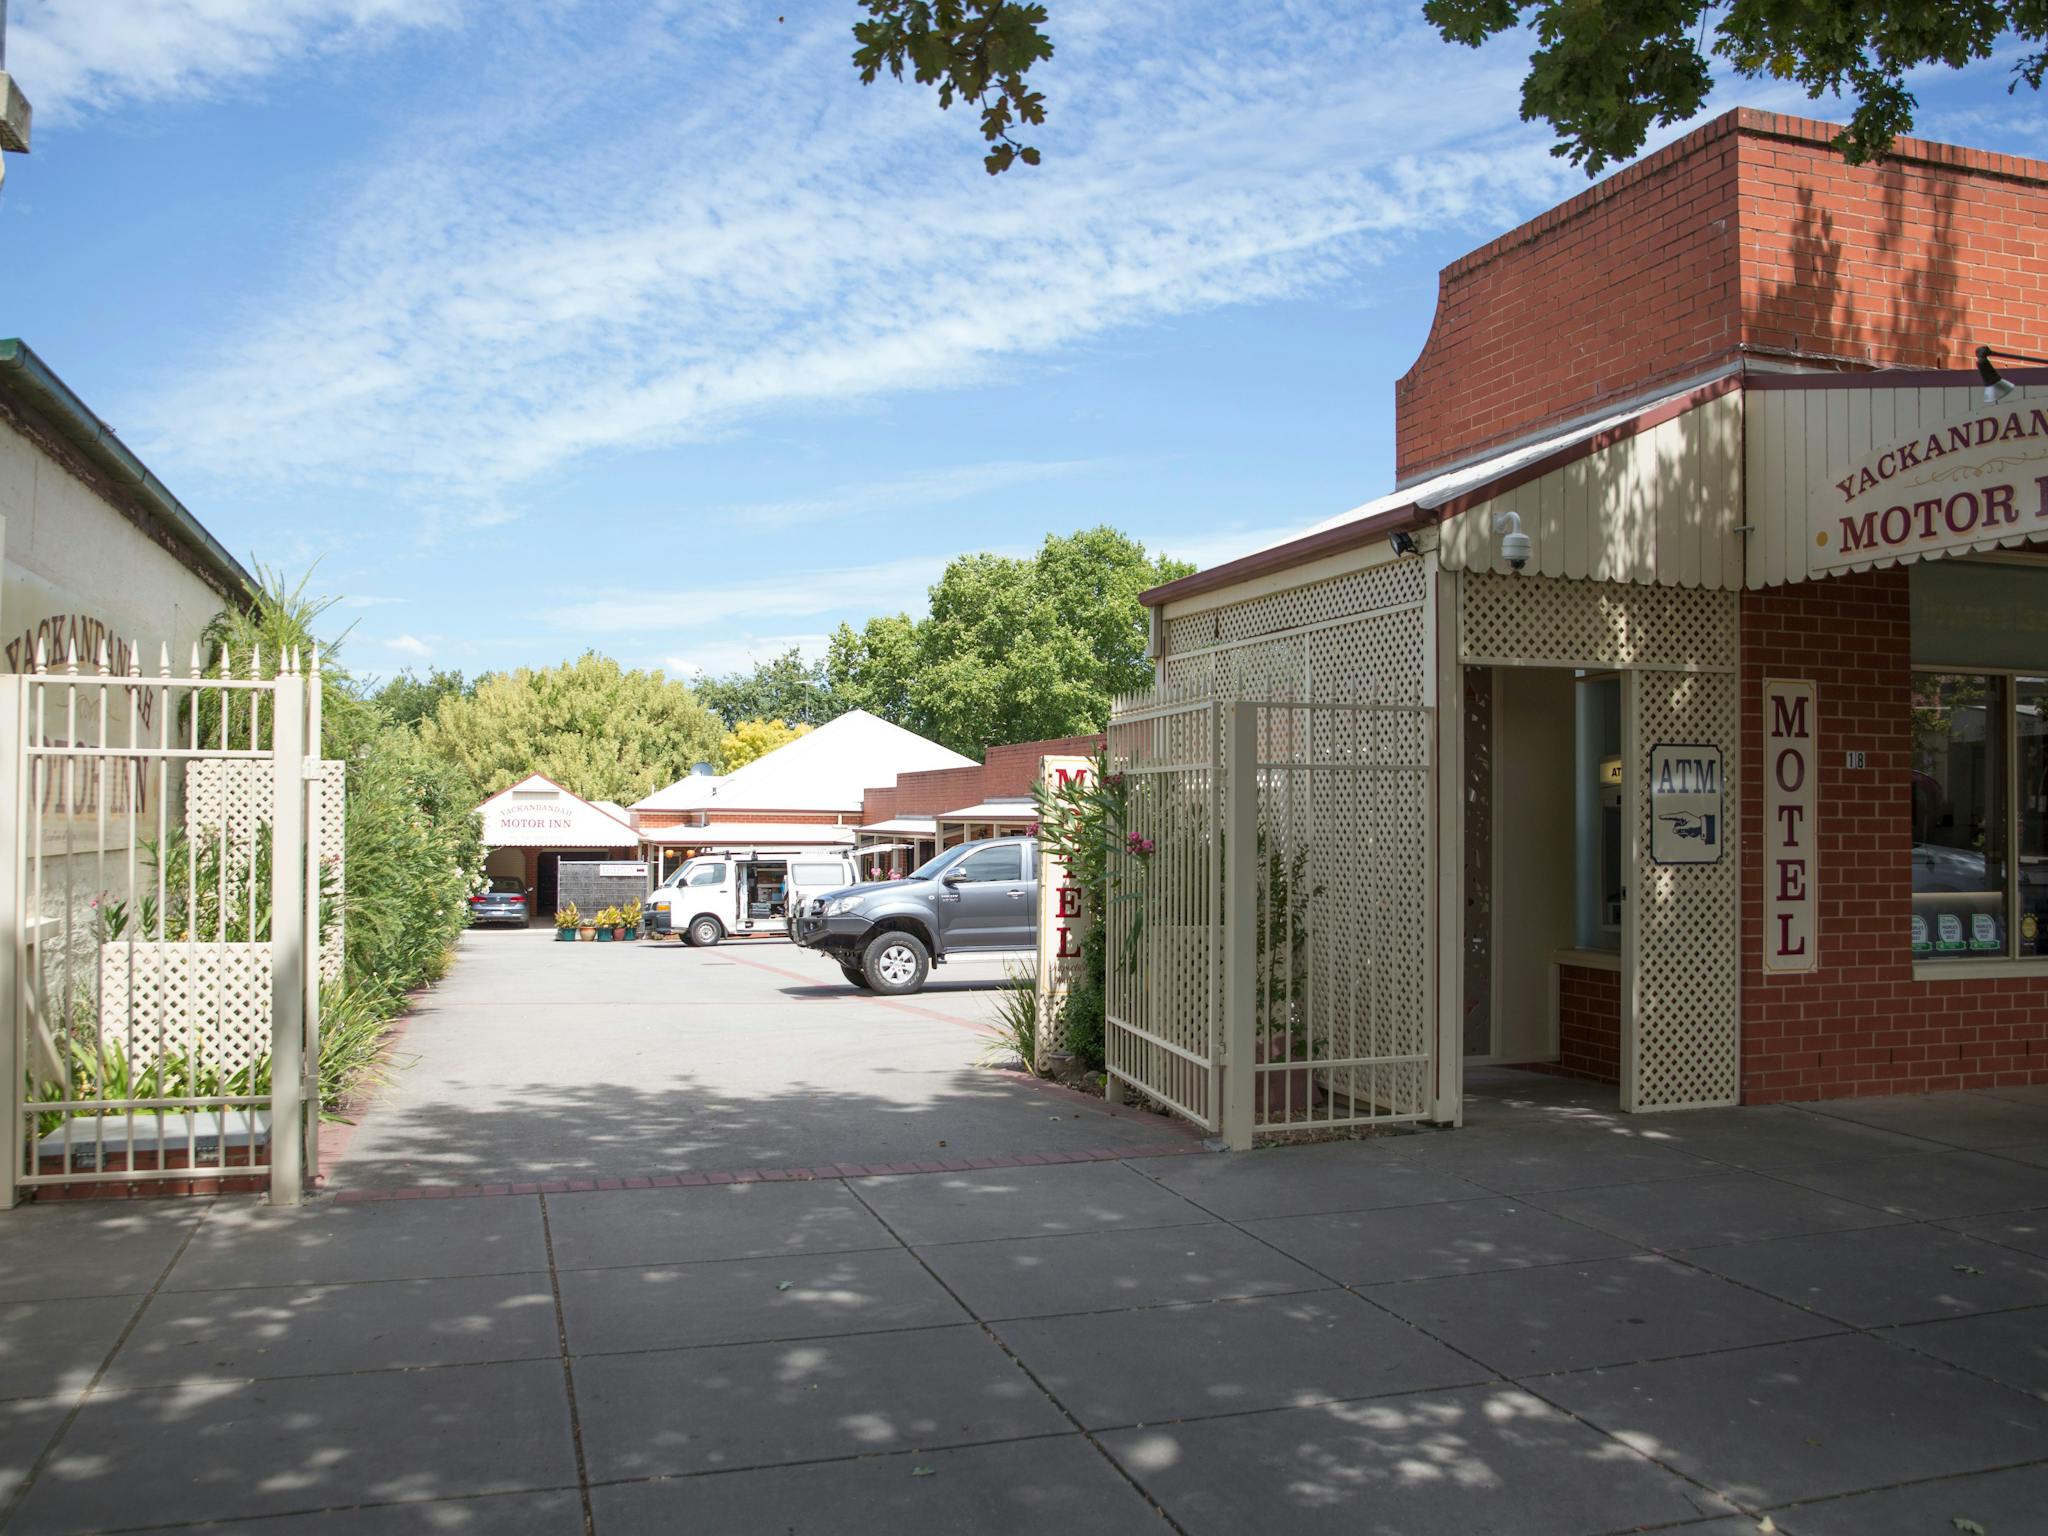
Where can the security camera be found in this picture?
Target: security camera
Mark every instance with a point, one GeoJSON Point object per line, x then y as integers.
{"type": "Point", "coordinates": [1515, 546]}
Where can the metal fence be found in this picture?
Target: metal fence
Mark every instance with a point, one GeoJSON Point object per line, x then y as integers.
{"type": "Point", "coordinates": [1270, 943]}
{"type": "Point", "coordinates": [161, 905]}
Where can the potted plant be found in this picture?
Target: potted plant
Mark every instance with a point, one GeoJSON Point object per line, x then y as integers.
{"type": "Point", "coordinates": [567, 921]}
{"type": "Point", "coordinates": [607, 925]}
{"type": "Point", "coordinates": [630, 913]}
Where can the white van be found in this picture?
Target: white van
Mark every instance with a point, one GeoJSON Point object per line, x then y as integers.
{"type": "Point", "coordinates": [717, 895]}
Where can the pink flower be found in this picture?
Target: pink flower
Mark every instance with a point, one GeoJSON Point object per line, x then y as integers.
{"type": "Point", "coordinates": [1140, 844]}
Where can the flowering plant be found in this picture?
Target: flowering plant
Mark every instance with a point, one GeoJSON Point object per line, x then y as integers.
{"type": "Point", "coordinates": [1137, 843]}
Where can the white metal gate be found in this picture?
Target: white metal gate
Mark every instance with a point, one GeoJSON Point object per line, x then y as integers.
{"type": "Point", "coordinates": [160, 902]}
{"type": "Point", "coordinates": [1270, 952]}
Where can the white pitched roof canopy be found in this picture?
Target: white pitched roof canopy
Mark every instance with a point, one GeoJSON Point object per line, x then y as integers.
{"type": "Point", "coordinates": [753, 834]}
{"type": "Point", "coordinates": [828, 769]}
{"type": "Point", "coordinates": [538, 813]}
{"type": "Point", "coordinates": [692, 792]}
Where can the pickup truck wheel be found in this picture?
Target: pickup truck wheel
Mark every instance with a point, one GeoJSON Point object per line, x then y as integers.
{"type": "Point", "coordinates": [705, 932]}
{"type": "Point", "coordinates": [855, 974]}
{"type": "Point", "coordinates": [896, 963]}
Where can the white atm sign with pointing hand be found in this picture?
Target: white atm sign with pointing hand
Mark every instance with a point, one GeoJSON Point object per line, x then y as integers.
{"type": "Point", "coordinates": [1688, 820]}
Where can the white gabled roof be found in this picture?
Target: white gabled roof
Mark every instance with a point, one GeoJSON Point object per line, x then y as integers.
{"type": "Point", "coordinates": [828, 769]}
{"type": "Point", "coordinates": [538, 813]}
{"type": "Point", "coordinates": [692, 792]}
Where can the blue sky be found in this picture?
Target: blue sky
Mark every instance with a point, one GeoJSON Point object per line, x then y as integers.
{"type": "Point", "coordinates": [646, 327]}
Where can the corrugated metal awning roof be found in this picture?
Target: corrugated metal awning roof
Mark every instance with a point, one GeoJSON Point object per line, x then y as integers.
{"type": "Point", "coordinates": [904, 826]}
{"type": "Point", "coordinates": [752, 834]}
{"type": "Point", "coordinates": [994, 810]}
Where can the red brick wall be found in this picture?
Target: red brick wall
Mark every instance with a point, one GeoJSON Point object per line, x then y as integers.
{"type": "Point", "coordinates": [1860, 1024]}
{"type": "Point", "coordinates": [1589, 1022]}
{"type": "Point", "coordinates": [935, 791]}
{"type": "Point", "coordinates": [1013, 768]}
{"type": "Point", "coordinates": [1747, 235]}
{"type": "Point", "coordinates": [878, 805]}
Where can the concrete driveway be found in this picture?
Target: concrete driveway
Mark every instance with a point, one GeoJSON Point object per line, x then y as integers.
{"type": "Point", "coordinates": [1558, 1322]}
{"type": "Point", "coordinates": [536, 1061]}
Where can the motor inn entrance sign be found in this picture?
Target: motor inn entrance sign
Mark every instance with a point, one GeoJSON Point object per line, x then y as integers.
{"type": "Point", "coordinates": [1978, 483]}
{"type": "Point", "coordinates": [1791, 935]}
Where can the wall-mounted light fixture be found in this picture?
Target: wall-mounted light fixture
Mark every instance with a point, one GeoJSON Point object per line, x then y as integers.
{"type": "Point", "coordinates": [1997, 387]}
{"type": "Point", "coordinates": [1403, 542]}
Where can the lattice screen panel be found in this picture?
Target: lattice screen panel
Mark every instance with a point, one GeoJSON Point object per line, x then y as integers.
{"type": "Point", "coordinates": [1401, 583]}
{"type": "Point", "coordinates": [1688, 1011]}
{"type": "Point", "coordinates": [207, 1002]}
{"type": "Point", "coordinates": [234, 796]}
{"type": "Point", "coordinates": [1543, 621]}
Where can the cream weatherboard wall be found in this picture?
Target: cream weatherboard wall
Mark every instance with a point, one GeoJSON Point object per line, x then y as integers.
{"type": "Point", "coordinates": [1661, 507]}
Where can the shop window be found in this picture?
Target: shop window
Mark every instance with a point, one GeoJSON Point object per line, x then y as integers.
{"type": "Point", "coordinates": [1961, 838]}
{"type": "Point", "coordinates": [2030, 710]}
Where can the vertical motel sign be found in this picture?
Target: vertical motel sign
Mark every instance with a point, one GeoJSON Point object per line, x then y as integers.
{"type": "Point", "coordinates": [1791, 931]}
{"type": "Point", "coordinates": [1059, 907]}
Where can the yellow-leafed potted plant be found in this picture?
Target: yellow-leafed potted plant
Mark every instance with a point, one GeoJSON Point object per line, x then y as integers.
{"type": "Point", "coordinates": [567, 921]}
{"type": "Point", "coordinates": [629, 915]}
{"type": "Point", "coordinates": [607, 925]}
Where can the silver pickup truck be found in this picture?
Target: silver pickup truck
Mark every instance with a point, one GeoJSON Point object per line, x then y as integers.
{"type": "Point", "coordinates": [886, 936]}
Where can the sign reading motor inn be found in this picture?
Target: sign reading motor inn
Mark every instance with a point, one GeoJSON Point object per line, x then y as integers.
{"type": "Point", "coordinates": [1978, 483]}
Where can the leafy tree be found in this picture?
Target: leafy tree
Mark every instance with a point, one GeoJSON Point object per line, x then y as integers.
{"type": "Point", "coordinates": [596, 729]}
{"type": "Point", "coordinates": [1010, 650]}
{"type": "Point", "coordinates": [408, 699]}
{"type": "Point", "coordinates": [1602, 74]}
{"type": "Point", "coordinates": [787, 688]}
{"type": "Point", "coordinates": [755, 738]}
{"type": "Point", "coordinates": [968, 49]}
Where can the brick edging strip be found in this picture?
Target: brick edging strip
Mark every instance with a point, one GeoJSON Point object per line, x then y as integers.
{"type": "Point", "coordinates": [761, 1175]}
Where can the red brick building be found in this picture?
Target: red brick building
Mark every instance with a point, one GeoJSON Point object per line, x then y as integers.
{"type": "Point", "coordinates": [1739, 766]}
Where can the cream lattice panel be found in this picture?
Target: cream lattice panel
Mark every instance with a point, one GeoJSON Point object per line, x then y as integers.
{"type": "Point", "coordinates": [233, 796]}
{"type": "Point", "coordinates": [1402, 583]}
{"type": "Point", "coordinates": [207, 1002]}
{"type": "Point", "coordinates": [1687, 972]}
{"type": "Point", "coordinates": [1539, 621]}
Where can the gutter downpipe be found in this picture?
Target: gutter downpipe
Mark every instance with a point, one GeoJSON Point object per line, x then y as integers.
{"type": "Point", "coordinates": [25, 374]}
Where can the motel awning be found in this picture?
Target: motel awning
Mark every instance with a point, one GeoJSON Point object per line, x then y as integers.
{"type": "Point", "coordinates": [752, 834]}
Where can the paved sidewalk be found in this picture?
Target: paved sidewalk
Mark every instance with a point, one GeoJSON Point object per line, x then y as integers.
{"type": "Point", "coordinates": [1557, 1322]}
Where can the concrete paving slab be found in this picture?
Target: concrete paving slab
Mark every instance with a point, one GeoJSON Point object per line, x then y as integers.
{"type": "Point", "coordinates": [1786, 1422]}
{"type": "Point", "coordinates": [1057, 1487]}
{"type": "Point", "coordinates": [512, 1514]}
{"type": "Point", "coordinates": [26, 1427]}
{"type": "Point", "coordinates": [2034, 1157]}
{"type": "Point", "coordinates": [2011, 1347]}
{"type": "Point", "coordinates": [1883, 1275]}
{"type": "Point", "coordinates": [1524, 1164]}
{"type": "Point", "coordinates": [1975, 1120]}
{"type": "Point", "coordinates": [1454, 1238]}
{"type": "Point", "coordinates": [1461, 1461]}
{"type": "Point", "coordinates": [323, 1242]}
{"type": "Point", "coordinates": [2026, 1231]}
{"type": "Point", "coordinates": [1725, 1208]}
{"type": "Point", "coordinates": [1767, 1136]}
{"type": "Point", "coordinates": [54, 1348]}
{"type": "Point", "coordinates": [1931, 1185]}
{"type": "Point", "coordinates": [1100, 1271]}
{"type": "Point", "coordinates": [386, 1325]}
{"type": "Point", "coordinates": [758, 1405]}
{"type": "Point", "coordinates": [2006, 1503]}
{"type": "Point", "coordinates": [737, 1301]}
{"type": "Point", "coordinates": [187, 1454]}
{"type": "Point", "coordinates": [1299, 1181]}
{"type": "Point", "coordinates": [69, 1249]}
{"type": "Point", "coordinates": [1165, 1363]}
{"type": "Point", "coordinates": [609, 1228]}
{"type": "Point", "coordinates": [1025, 1202]}
{"type": "Point", "coordinates": [1563, 1317]}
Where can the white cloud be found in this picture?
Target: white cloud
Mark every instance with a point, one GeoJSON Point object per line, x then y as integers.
{"type": "Point", "coordinates": [717, 657]}
{"type": "Point", "coordinates": [74, 57]}
{"type": "Point", "coordinates": [410, 645]}
{"type": "Point", "coordinates": [928, 488]}
{"type": "Point", "coordinates": [879, 588]}
{"type": "Point", "coordinates": [719, 220]}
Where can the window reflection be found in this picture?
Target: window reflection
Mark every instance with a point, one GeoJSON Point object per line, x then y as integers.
{"type": "Point", "coordinates": [1959, 816]}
